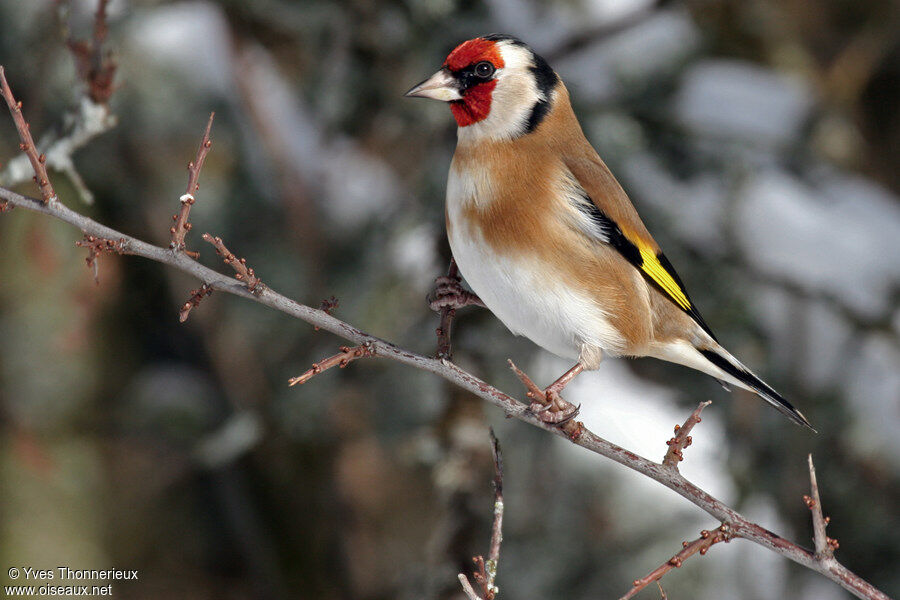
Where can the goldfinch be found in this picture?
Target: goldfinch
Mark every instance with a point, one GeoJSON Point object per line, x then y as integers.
{"type": "Point", "coordinates": [545, 235]}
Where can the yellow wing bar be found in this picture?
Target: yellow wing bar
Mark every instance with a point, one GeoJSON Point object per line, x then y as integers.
{"type": "Point", "coordinates": [653, 267]}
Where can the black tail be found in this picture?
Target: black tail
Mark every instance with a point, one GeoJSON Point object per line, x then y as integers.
{"type": "Point", "coordinates": [733, 367]}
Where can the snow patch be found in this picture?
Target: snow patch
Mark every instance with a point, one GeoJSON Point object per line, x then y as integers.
{"type": "Point", "coordinates": [733, 99]}
{"type": "Point", "coordinates": [191, 38]}
{"type": "Point", "coordinates": [842, 246]}
{"type": "Point", "coordinates": [640, 416]}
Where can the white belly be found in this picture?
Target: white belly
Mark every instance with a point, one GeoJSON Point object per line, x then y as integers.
{"type": "Point", "coordinates": [526, 297]}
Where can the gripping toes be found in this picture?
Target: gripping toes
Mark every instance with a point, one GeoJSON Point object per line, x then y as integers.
{"type": "Point", "coordinates": [449, 293]}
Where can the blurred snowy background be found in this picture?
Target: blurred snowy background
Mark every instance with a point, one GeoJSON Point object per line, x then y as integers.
{"type": "Point", "coordinates": [759, 139]}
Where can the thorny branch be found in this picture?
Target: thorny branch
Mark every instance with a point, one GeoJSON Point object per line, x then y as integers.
{"type": "Point", "coordinates": [79, 127]}
{"type": "Point", "coordinates": [662, 592]}
{"type": "Point", "coordinates": [251, 288]}
{"type": "Point", "coordinates": [97, 246]}
{"type": "Point", "coordinates": [682, 438]}
{"type": "Point", "coordinates": [182, 226]}
{"type": "Point", "coordinates": [497, 528]}
{"type": "Point", "coordinates": [95, 67]}
{"type": "Point", "coordinates": [242, 271]}
{"type": "Point", "coordinates": [825, 546]}
{"type": "Point", "coordinates": [740, 525]}
{"type": "Point", "coordinates": [91, 119]}
{"type": "Point", "coordinates": [27, 146]}
{"type": "Point", "coordinates": [341, 359]}
{"type": "Point", "coordinates": [486, 570]}
{"type": "Point", "coordinates": [702, 544]}
{"type": "Point", "coordinates": [467, 588]}
{"type": "Point", "coordinates": [194, 300]}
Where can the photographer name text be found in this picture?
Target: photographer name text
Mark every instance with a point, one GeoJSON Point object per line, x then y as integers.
{"type": "Point", "coordinates": [67, 581]}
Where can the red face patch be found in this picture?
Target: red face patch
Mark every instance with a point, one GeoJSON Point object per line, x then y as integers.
{"type": "Point", "coordinates": [473, 51]}
{"type": "Point", "coordinates": [475, 105]}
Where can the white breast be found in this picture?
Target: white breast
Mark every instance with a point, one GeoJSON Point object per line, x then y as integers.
{"type": "Point", "coordinates": [522, 292]}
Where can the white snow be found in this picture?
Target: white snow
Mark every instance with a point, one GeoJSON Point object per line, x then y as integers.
{"type": "Point", "coordinates": [844, 246]}
{"type": "Point", "coordinates": [872, 389]}
{"type": "Point", "coordinates": [695, 208]}
{"type": "Point", "coordinates": [414, 255]}
{"type": "Point", "coordinates": [640, 416]}
{"type": "Point", "coordinates": [598, 71]}
{"type": "Point", "coordinates": [191, 38]}
{"type": "Point", "coordinates": [352, 185]}
{"type": "Point", "coordinates": [733, 99]}
{"type": "Point", "coordinates": [544, 26]}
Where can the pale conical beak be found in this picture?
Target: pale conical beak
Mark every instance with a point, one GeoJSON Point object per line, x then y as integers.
{"type": "Point", "coordinates": [440, 86]}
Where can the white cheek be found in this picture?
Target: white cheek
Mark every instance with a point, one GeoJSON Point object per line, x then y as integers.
{"type": "Point", "coordinates": [511, 104]}
{"type": "Point", "coordinates": [511, 101]}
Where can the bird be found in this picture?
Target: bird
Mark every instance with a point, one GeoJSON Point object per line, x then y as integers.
{"type": "Point", "coordinates": [548, 239]}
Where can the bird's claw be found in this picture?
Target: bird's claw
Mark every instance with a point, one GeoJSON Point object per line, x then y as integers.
{"type": "Point", "coordinates": [449, 293]}
{"type": "Point", "coordinates": [446, 281]}
{"type": "Point", "coordinates": [554, 413]}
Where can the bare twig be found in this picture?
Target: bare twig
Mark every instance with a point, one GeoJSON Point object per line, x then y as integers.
{"type": "Point", "coordinates": [485, 573]}
{"type": "Point", "coordinates": [497, 528]}
{"type": "Point", "coordinates": [682, 437]}
{"type": "Point", "coordinates": [242, 271]}
{"type": "Point", "coordinates": [182, 226]}
{"type": "Point", "coordinates": [196, 296]}
{"type": "Point", "coordinates": [481, 575]}
{"type": "Point", "coordinates": [27, 146]}
{"type": "Point", "coordinates": [95, 67]}
{"type": "Point", "coordinates": [467, 588]}
{"type": "Point", "coordinates": [79, 127]}
{"type": "Point", "coordinates": [825, 546]}
{"type": "Point", "coordinates": [97, 246]}
{"type": "Point", "coordinates": [702, 544]}
{"type": "Point", "coordinates": [670, 478]}
{"type": "Point", "coordinates": [341, 359]}
{"type": "Point", "coordinates": [91, 118]}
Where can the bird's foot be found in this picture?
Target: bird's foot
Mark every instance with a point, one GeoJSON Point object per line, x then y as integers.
{"type": "Point", "coordinates": [449, 293]}
{"type": "Point", "coordinates": [547, 405]}
{"type": "Point", "coordinates": [557, 412]}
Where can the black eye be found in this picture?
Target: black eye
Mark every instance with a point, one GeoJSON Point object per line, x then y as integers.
{"type": "Point", "coordinates": [484, 69]}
